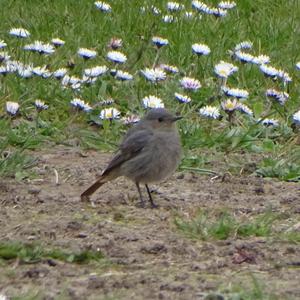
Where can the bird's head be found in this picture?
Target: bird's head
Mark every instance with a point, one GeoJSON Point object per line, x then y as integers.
{"type": "Point", "coordinates": [161, 119]}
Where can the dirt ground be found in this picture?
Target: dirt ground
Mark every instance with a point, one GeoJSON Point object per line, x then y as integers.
{"type": "Point", "coordinates": [148, 257]}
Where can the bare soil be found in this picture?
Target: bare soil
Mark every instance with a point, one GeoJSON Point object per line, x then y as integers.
{"type": "Point", "coordinates": [146, 256]}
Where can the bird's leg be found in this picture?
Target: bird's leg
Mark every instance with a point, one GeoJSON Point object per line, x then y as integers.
{"type": "Point", "coordinates": [153, 205]}
{"type": "Point", "coordinates": [142, 202]}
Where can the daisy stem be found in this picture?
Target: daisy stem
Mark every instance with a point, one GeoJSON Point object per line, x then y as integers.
{"type": "Point", "coordinates": [156, 59]}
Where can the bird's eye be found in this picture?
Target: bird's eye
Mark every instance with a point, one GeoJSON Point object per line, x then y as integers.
{"type": "Point", "coordinates": [160, 119]}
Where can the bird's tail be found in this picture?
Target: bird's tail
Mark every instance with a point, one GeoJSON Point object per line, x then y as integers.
{"type": "Point", "coordinates": [93, 188]}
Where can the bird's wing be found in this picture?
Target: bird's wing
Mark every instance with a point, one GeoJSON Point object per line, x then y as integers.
{"type": "Point", "coordinates": [130, 147]}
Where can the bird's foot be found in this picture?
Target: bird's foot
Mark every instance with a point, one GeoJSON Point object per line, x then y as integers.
{"type": "Point", "coordinates": [153, 205]}
{"type": "Point", "coordinates": [141, 204]}
{"type": "Point", "coordinates": [85, 198]}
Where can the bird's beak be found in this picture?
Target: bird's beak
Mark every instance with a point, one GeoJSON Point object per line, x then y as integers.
{"type": "Point", "coordinates": [174, 119]}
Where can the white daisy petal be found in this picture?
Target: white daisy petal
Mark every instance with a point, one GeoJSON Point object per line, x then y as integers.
{"type": "Point", "coordinates": [182, 98]}
{"type": "Point", "coordinates": [86, 53]}
{"type": "Point", "coordinates": [152, 102]}
{"type": "Point", "coordinates": [201, 49]}
{"type": "Point", "coordinates": [159, 42]}
{"type": "Point", "coordinates": [227, 4]}
{"type": "Point", "coordinates": [208, 111]}
{"type": "Point", "coordinates": [281, 97]}
{"type": "Point", "coordinates": [80, 104]}
{"type": "Point", "coordinates": [234, 92]}
{"type": "Point", "coordinates": [12, 108]}
{"type": "Point", "coordinates": [116, 57]}
{"type": "Point", "coordinates": [19, 32]}
{"type": "Point", "coordinates": [296, 118]}
{"type": "Point", "coordinates": [122, 75]}
{"type": "Point", "coordinates": [154, 75]}
{"type": "Point", "coordinates": [109, 113]}
{"type": "Point", "coordinates": [95, 71]}
{"type": "Point", "coordinates": [269, 122]}
{"type": "Point", "coordinates": [104, 7]}
{"type": "Point", "coordinates": [189, 83]}
{"type": "Point", "coordinates": [40, 105]}
{"type": "Point", "coordinates": [224, 69]}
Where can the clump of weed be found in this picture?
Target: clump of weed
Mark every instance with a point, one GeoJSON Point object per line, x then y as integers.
{"type": "Point", "coordinates": [31, 253]}
{"type": "Point", "coordinates": [206, 226]}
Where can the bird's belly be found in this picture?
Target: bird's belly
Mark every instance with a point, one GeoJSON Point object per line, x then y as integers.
{"type": "Point", "coordinates": [152, 168]}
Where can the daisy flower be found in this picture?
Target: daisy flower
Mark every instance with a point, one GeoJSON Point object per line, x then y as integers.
{"type": "Point", "coordinates": [154, 75]}
{"type": "Point", "coordinates": [230, 105]}
{"type": "Point", "coordinates": [156, 11]}
{"type": "Point", "coordinates": [60, 73]}
{"type": "Point", "coordinates": [152, 102]}
{"type": "Point", "coordinates": [296, 118]}
{"type": "Point", "coordinates": [131, 119]}
{"type": "Point", "coordinates": [168, 19]}
{"type": "Point", "coordinates": [72, 81]}
{"type": "Point", "coordinates": [19, 32]}
{"type": "Point", "coordinates": [2, 44]}
{"type": "Point", "coordinates": [269, 71]}
{"type": "Point", "coordinates": [201, 7]}
{"type": "Point", "coordinates": [4, 56]}
{"type": "Point", "coordinates": [109, 114]}
{"type": "Point", "coordinates": [108, 101]}
{"type": "Point", "coordinates": [243, 45]}
{"type": "Point", "coordinates": [40, 105]}
{"type": "Point", "coordinates": [12, 65]}
{"type": "Point", "coordinates": [122, 75]}
{"type": "Point", "coordinates": [159, 42]}
{"type": "Point", "coordinates": [269, 122]}
{"type": "Point", "coordinates": [227, 4]}
{"type": "Point", "coordinates": [169, 68]}
{"type": "Point", "coordinates": [69, 80]}
{"type": "Point", "coordinates": [86, 53]}
{"type": "Point", "coordinates": [4, 70]}
{"type": "Point", "coordinates": [182, 98]}
{"type": "Point", "coordinates": [208, 111]}
{"type": "Point", "coordinates": [25, 71]}
{"type": "Point", "coordinates": [243, 56]}
{"type": "Point", "coordinates": [190, 83]}
{"type": "Point", "coordinates": [298, 65]}
{"type": "Point", "coordinates": [57, 42]}
{"type": "Point", "coordinates": [88, 80]}
{"type": "Point", "coordinates": [219, 12]}
{"type": "Point", "coordinates": [40, 47]}
{"type": "Point", "coordinates": [95, 71]}
{"type": "Point", "coordinates": [116, 57]}
{"type": "Point", "coordinates": [12, 108]}
{"type": "Point", "coordinates": [104, 7]}
{"type": "Point", "coordinates": [234, 92]}
{"type": "Point", "coordinates": [284, 76]}
{"type": "Point", "coordinates": [244, 109]}
{"type": "Point", "coordinates": [201, 49]}
{"type": "Point", "coordinates": [188, 14]}
{"type": "Point", "coordinates": [80, 104]}
{"type": "Point", "coordinates": [281, 97]}
{"type": "Point", "coordinates": [224, 69]}
{"type": "Point", "coordinates": [42, 71]}
{"type": "Point", "coordinates": [174, 6]}
{"type": "Point", "coordinates": [115, 43]}
{"type": "Point", "coordinates": [261, 59]}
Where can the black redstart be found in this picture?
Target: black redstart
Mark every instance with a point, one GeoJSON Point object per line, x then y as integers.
{"type": "Point", "coordinates": [149, 152]}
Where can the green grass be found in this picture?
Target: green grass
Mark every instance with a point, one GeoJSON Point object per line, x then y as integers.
{"type": "Point", "coordinates": [221, 226]}
{"type": "Point", "coordinates": [32, 253]}
{"type": "Point", "coordinates": [274, 32]}
{"type": "Point", "coordinates": [256, 290]}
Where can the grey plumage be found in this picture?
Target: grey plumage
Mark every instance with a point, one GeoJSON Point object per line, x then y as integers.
{"type": "Point", "coordinates": [149, 152]}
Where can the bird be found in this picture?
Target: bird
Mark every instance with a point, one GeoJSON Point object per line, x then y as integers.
{"type": "Point", "coordinates": [149, 153]}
